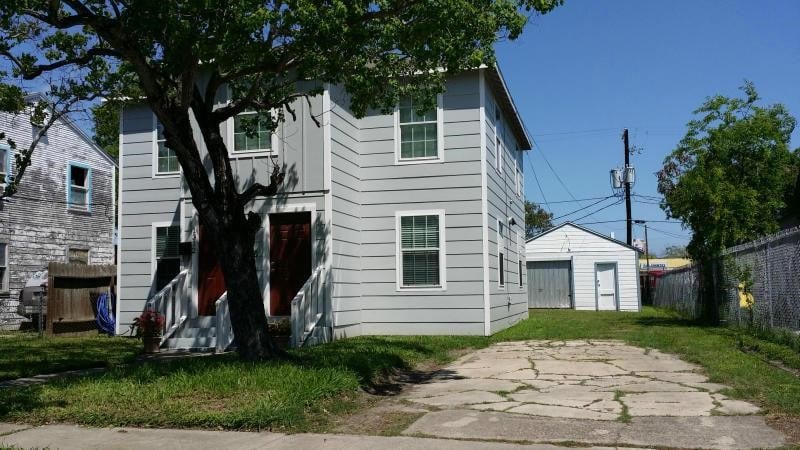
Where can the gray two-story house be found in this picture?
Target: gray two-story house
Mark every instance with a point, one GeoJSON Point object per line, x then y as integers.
{"type": "Point", "coordinates": [402, 223]}
{"type": "Point", "coordinates": [64, 210]}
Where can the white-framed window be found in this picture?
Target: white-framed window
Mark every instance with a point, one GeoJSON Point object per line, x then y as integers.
{"type": "Point", "coordinates": [79, 187]}
{"type": "Point", "coordinates": [165, 161]}
{"type": "Point", "coordinates": [517, 179]}
{"type": "Point", "coordinates": [166, 254]}
{"type": "Point", "coordinates": [421, 261]}
{"type": "Point", "coordinates": [501, 254]}
{"type": "Point", "coordinates": [498, 139]}
{"type": "Point", "coordinates": [77, 255]}
{"type": "Point", "coordinates": [259, 140]}
{"type": "Point", "coordinates": [5, 163]}
{"type": "Point", "coordinates": [3, 266]}
{"type": "Point", "coordinates": [520, 259]}
{"type": "Point", "coordinates": [419, 138]}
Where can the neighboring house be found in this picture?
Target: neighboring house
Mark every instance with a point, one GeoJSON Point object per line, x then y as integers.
{"type": "Point", "coordinates": [570, 266]}
{"type": "Point", "coordinates": [403, 223]}
{"type": "Point", "coordinates": [63, 211]}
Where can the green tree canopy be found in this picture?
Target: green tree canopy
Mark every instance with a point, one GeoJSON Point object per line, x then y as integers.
{"type": "Point", "coordinates": [537, 219]}
{"type": "Point", "coordinates": [675, 251]}
{"type": "Point", "coordinates": [731, 175]}
{"type": "Point", "coordinates": [181, 56]}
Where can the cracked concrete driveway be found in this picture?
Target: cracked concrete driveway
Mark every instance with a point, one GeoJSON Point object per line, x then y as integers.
{"type": "Point", "coordinates": [592, 392]}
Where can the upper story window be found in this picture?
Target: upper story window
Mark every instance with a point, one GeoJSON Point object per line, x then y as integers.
{"type": "Point", "coordinates": [420, 258]}
{"type": "Point", "coordinates": [257, 139]}
{"type": "Point", "coordinates": [517, 179]}
{"type": "Point", "coordinates": [498, 140]}
{"type": "Point", "coordinates": [166, 159]}
{"type": "Point", "coordinates": [79, 187]}
{"type": "Point", "coordinates": [3, 267]}
{"type": "Point", "coordinates": [5, 164]}
{"type": "Point", "coordinates": [419, 137]}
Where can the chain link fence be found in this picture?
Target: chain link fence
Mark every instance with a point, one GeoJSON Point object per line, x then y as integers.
{"type": "Point", "coordinates": [768, 269]}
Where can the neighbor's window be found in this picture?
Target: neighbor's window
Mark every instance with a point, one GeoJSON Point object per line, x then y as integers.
{"type": "Point", "coordinates": [501, 253]}
{"type": "Point", "coordinates": [167, 258]}
{"type": "Point", "coordinates": [79, 179]}
{"type": "Point", "coordinates": [77, 256]}
{"type": "Point", "coordinates": [418, 132]}
{"type": "Point", "coordinates": [5, 162]}
{"type": "Point", "coordinates": [3, 266]}
{"type": "Point", "coordinates": [258, 140]}
{"type": "Point", "coordinates": [166, 159]}
{"type": "Point", "coordinates": [421, 250]}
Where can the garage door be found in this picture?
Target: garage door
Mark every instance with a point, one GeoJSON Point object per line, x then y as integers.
{"type": "Point", "coordinates": [549, 284]}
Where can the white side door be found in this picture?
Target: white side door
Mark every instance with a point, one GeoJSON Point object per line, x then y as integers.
{"type": "Point", "coordinates": [606, 282]}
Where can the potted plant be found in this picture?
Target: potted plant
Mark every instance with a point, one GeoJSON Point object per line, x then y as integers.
{"type": "Point", "coordinates": [149, 325]}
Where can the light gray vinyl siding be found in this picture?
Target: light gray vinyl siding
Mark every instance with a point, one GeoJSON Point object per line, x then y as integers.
{"type": "Point", "coordinates": [148, 198]}
{"type": "Point", "coordinates": [387, 188]}
{"type": "Point", "coordinates": [347, 223]}
{"type": "Point", "coordinates": [35, 223]}
{"type": "Point", "coordinates": [144, 200]}
{"type": "Point", "coordinates": [508, 304]}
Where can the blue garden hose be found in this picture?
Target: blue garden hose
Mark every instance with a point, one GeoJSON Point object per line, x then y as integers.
{"type": "Point", "coordinates": [105, 316]}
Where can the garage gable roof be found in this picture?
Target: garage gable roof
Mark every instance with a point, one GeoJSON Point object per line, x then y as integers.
{"type": "Point", "coordinates": [590, 231]}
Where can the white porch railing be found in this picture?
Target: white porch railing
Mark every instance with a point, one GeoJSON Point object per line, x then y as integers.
{"type": "Point", "coordinates": [224, 327]}
{"type": "Point", "coordinates": [308, 308]}
{"type": "Point", "coordinates": [173, 303]}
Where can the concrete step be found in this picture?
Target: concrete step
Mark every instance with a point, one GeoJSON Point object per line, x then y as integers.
{"type": "Point", "coordinates": [202, 322]}
{"type": "Point", "coordinates": [191, 343]}
{"type": "Point", "coordinates": [192, 332]}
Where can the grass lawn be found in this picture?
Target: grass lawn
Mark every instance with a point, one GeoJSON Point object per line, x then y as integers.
{"type": "Point", "coordinates": [313, 385]}
{"type": "Point", "coordinates": [25, 354]}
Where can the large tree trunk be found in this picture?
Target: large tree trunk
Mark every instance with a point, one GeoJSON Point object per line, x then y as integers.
{"type": "Point", "coordinates": [234, 243]}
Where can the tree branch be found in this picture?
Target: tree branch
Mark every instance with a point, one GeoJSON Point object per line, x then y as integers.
{"type": "Point", "coordinates": [256, 189]}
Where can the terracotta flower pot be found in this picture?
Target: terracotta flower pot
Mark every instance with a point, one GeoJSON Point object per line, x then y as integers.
{"type": "Point", "coordinates": [151, 343]}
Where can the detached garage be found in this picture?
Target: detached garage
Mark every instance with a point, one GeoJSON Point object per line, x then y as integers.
{"type": "Point", "coordinates": [570, 266]}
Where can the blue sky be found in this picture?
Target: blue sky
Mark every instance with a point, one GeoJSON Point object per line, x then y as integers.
{"type": "Point", "coordinates": [582, 73]}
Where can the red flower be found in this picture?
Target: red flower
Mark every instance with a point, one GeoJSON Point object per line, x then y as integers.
{"type": "Point", "coordinates": [149, 323]}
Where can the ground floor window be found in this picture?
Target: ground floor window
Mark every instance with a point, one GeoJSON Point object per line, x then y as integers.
{"type": "Point", "coordinates": [501, 253]}
{"type": "Point", "coordinates": [420, 249]}
{"type": "Point", "coordinates": [167, 256]}
{"type": "Point", "coordinates": [3, 267]}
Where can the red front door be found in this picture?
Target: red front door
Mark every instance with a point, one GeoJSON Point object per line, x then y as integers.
{"type": "Point", "coordinates": [289, 259]}
{"type": "Point", "coordinates": [211, 283]}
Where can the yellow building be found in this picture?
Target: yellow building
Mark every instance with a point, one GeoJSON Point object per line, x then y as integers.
{"type": "Point", "coordinates": [664, 263]}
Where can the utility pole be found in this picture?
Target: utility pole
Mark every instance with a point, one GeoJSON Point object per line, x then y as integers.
{"type": "Point", "coordinates": [647, 256]}
{"type": "Point", "coordinates": [629, 222]}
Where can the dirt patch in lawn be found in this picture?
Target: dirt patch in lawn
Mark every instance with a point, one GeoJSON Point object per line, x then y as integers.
{"type": "Point", "coordinates": [786, 424]}
{"type": "Point", "coordinates": [379, 411]}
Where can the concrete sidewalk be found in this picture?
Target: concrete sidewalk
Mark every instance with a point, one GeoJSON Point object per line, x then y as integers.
{"type": "Point", "coordinates": [77, 437]}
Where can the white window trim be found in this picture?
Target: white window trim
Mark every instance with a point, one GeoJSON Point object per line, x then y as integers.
{"type": "Point", "coordinates": [442, 251]}
{"type": "Point", "coordinates": [501, 254]}
{"type": "Point", "coordinates": [520, 260]}
{"type": "Point", "coordinates": [4, 282]}
{"type": "Point", "coordinates": [156, 173]}
{"type": "Point", "coordinates": [153, 259]}
{"type": "Point", "coordinates": [498, 141]}
{"type": "Point", "coordinates": [88, 253]}
{"type": "Point", "coordinates": [87, 209]}
{"type": "Point", "coordinates": [439, 158]}
{"type": "Point", "coordinates": [517, 179]}
{"type": "Point", "coordinates": [8, 160]}
{"type": "Point", "coordinates": [232, 153]}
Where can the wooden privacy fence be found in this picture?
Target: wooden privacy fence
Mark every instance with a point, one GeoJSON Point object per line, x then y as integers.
{"type": "Point", "coordinates": [72, 291]}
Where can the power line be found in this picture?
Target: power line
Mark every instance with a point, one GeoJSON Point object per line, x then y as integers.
{"type": "Point", "coordinates": [559, 133]}
{"type": "Point", "coordinates": [537, 183]}
{"type": "Point", "coordinates": [583, 208]}
{"type": "Point", "coordinates": [670, 234]}
{"type": "Point", "coordinates": [541, 152]}
{"type": "Point", "coordinates": [624, 220]}
{"type": "Point", "coordinates": [597, 211]}
{"type": "Point", "coordinates": [588, 199]}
